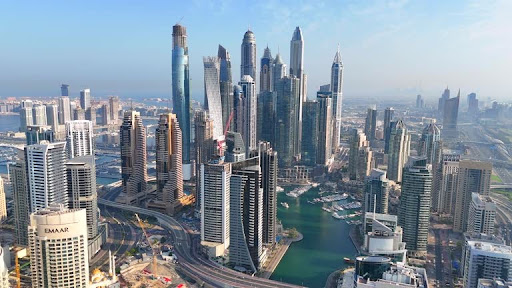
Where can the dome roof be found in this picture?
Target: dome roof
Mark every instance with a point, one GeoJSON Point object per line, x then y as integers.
{"type": "Point", "coordinates": [249, 36]}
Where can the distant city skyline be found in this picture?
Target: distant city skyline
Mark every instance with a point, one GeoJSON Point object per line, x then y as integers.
{"type": "Point", "coordinates": [401, 48]}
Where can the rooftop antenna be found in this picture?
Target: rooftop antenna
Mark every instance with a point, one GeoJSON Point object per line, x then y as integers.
{"type": "Point", "coordinates": [179, 21]}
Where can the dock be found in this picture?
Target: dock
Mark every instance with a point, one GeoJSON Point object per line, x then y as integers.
{"type": "Point", "coordinates": [276, 255]}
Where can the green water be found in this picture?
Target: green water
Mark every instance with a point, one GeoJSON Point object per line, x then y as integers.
{"type": "Point", "coordinates": [326, 241]}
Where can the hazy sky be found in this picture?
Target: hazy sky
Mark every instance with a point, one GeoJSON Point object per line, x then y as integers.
{"type": "Point", "coordinates": [389, 48]}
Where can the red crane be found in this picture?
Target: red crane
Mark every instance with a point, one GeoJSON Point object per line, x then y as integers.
{"type": "Point", "coordinates": [219, 142]}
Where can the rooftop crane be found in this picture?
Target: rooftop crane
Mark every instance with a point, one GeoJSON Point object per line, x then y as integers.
{"type": "Point", "coordinates": [155, 249]}
{"type": "Point", "coordinates": [220, 142]}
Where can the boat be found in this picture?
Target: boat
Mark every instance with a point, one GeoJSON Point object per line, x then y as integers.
{"type": "Point", "coordinates": [337, 216]}
{"type": "Point", "coordinates": [326, 209]}
{"type": "Point", "coordinates": [285, 205]}
{"type": "Point", "coordinates": [295, 193]}
{"type": "Point", "coordinates": [279, 189]}
{"type": "Point", "coordinates": [348, 260]}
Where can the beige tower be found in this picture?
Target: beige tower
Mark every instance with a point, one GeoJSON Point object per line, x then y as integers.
{"type": "Point", "coordinates": [3, 206]}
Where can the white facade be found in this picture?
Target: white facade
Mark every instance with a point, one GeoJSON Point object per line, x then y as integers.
{"type": "Point", "coordinates": [337, 97]}
{"type": "Point", "coordinates": [249, 118]}
{"type": "Point", "coordinates": [485, 260]}
{"type": "Point", "coordinates": [482, 213]}
{"type": "Point", "coordinates": [4, 271]}
{"type": "Point", "coordinates": [215, 203]}
{"type": "Point", "coordinates": [212, 97]}
{"type": "Point", "coordinates": [79, 138]}
{"type": "Point", "coordinates": [85, 98]}
{"type": "Point", "coordinates": [3, 206]}
{"type": "Point", "coordinates": [64, 110]}
{"type": "Point", "coordinates": [58, 248]}
{"type": "Point", "coordinates": [46, 174]}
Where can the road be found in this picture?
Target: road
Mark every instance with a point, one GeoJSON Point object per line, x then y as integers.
{"type": "Point", "coordinates": [187, 247]}
{"type": "Point", "coordinates": [443, 268]}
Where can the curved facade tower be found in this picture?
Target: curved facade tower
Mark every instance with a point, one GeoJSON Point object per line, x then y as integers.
{"type": "Point", "coordinates": [337, 96]}
{"type": "Point", "coordinates": [248, 61]}
{"type": "Point", "coordinates": [180, 85]}
{"type": "Point", "coordinates": [212, 97]}
{"type": "Point", "coordinates": [225, 84]}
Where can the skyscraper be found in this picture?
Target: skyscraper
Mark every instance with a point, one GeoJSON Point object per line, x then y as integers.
{"type": "Point", "coordinates": [419, 101]}
{"type": "Point", "coordinates": [20, 193]}
{"type": "Point", "coordinates": [388, 116]}
{"type": "Point", "coordinates": [81, 177]}
{"type": "Point", "coordinates": [64, 110]}
{"type": "Point", "coordinates": [481, 215]}
{"type": "Point", "coordinates": [64, 90]}
{"type": "Point", "coordinates": [399, 145]}
{"type": "Point", "coordinates": [429, 143]}
{"type": "Point", "coordinates": [337, 97]}
{"type": "Point", "coordinates": [360, 157]}
{"type": "Point", "coordinates": [248, 61]}
{"type": "Point", "coordinates": [85, 99]}
{"type": "Point", "coordinates": [113, 102]}
{"type": "Point", "coordinates": [52, 114]}
{"type": "Point", "coordinates": [473, 177]}
{"type": "Point", "coordinates": [485, 259]}
{"type": "Point", "coordinates": [246, 215]}
{"type": "Point", "coordinates": [370, 126]}
{"type": "Point", "coordinates": [297, 60]}
{"type": "Point", "coordinates": [235, 151]}
{"type": "Point", "coordinates": [445, 96]}
{"type": "Point", "coordinates": [204, 146]}
{"type": "Point", "coordinates": [266, 116]}
{"type": "Point", "coordinates": [249, 113]}
{"type": "Point", "coordinates": [310, 118]}
{"type": "Point", "coordinates": [473, 104]}
{"type": "Point", "coordinates": [215, 206]}
{"type": "Point", "coordinates": [3, 206]}
{"type": "Point", "coordinates": [169, 174]}
{"type": "Point", "coordinates": [36, 134]}
{"type": "Point", "coordinates": [324, 129]}
{"type": "Point", "coordinates": [90, 114]}
{"type": "Point", "coordinates": [278, 70]}
{"type": "Point", "coordinates": [79, 138]}
{"type": "Point", "coordinates": [26, 118]}
{"type": "Point", "coordinates": [450, 115]}
{"type": "Point", "coordinates": [226, 85]}
{"type": "Point", "coordinates": [39, 114]}
{"type": "Point", "coordinates": [287, 109]}
{"type": "Point", "coordinates": [376, 192]}
{"type": "Point", "coordinates": [133, 157]}
{"type": "Point", "coordinates": [181, 85]}
{"type": "Point", "coordinates": [105, 114]}
{"type": "Point", "coordinates": [46, 175]}
{"type": "Point", "coordinates": [266, 71]}
{"type": "Point", "coordinates": [414, 210]}
{"type": "Point", "coordinates": [60, 235]}
{"type": "Point", "coordinates": [212, 97]}
{"type": "Point", "coordinates": [268, 166]}
{"type": "Point", "coordinates": [443, 200]}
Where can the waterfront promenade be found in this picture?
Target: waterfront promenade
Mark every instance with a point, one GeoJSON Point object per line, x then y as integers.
{"type": "Point", "coordinates": [278, 254]}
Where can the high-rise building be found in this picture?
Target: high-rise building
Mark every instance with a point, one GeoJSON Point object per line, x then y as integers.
{"type": "Point", "coordinates": [278, 70]}
{"type": "Point", "coordinates": [215, 206]}
{"type": "Point", "coordinates": [4, 271]}
{"type": "Point", "coordinates": [3, 204]}
{"type": "Point", "coordinates": [248, 61]}
{"type": "Point", "coordinates": [36, 134]}
{"type": "Point", "coordinates": [379, 271]}
{"type": "Point", "coordinates": [268, 166]}
{"type": "Point", "coordinates": [85, 99]}
{"type": "Point", "coordinates": [64, 110]}
{"type": "Point", "coordinates": [20, 193]}
{"type": "Point", "coordinates": [370, 126]}
{"type": "Point", "coordinates": [203, 145]}
{"type": "Point", "coordinates": [360, 156]}
{"type": "Point", "coordinates": [337, 97]}
{"type": "Point", "coordinates": [287, 142]}
{"type": "Point", "coordinates": [473, 104]}
{"type": "Point", "coordinates": [266, 71]}
{"type": "Point", "coordinates": [90, 114]}
{"type": "Point", "coordinates": [484, 259]}
{"type": "Point", "coordinates": [133, 157]}
{"type": "Point", "coordinates": [266, 116]}
{"type": "Point", "coordinates": [388, 116]}
{"type": "Point", "coordinates": [419, 101]}
{"type": "Point", "coordinates": [113, 102]}
{"type": "Point", "coordinates": [414, 209]}
{"type": "Point", "coordinates": [226, 85]}
{"type": "Point", "coordinates": [169, 173]}
{"type": "Point", "coordinates": [181, 85]}
{"type": "Point", "coordinates": [449, 171]}
{"type": "Point", "coordinates": [52, 114]}
{"type": "Point", "coordinates": [376, 192]}
{"type": "Point", "coordinates": [248, 114]}
{"type": "Point", "coordinates": [81, 177]}
{"type": "Point", "coordinates": [235, 151]}
{"type": "Point", "coordinates": [324, 128]}
{"type": "Point", "coordinates": [429, 143]}
{"type": "Point", "coordinates": [79, 138]}
{"type": "Point", "coordinates": [39, 114]}
{"type": "Point", "coordinates": [64, 90]}
{"type": "Point", "coordinates": [399, 145]}
{"type": "Point", "coordinates": [79, 114]}
{"type": "Point", "coordinates": [246, 215]}
{"type": "Point", "coordinates": [297, 60]}
{"type": "Point", "coordinates": [310, 133]}
{"type": "Point", "coordinates": [27, 104]}
{"type": "Point", "coordinates": [105, 114]}
{"type": "Point", "coordinates": [212, 98]}
{"type": "Point", "coordinates": [382, 240]}
{"type": "Point", "coordinates": [481, 216]}
{"type": "Point", "coordinates": [46, 174]}
{"type": "Point", "coordinates": [58, 247]}
{"type": "Point", "coordinates": [450, 115]}
{"type": "Point", "coordinates": [473, 177]}
{"type": "Point", "coordinates": [26, 118]}
{"type": "Point", "coordinates": [445, 96]}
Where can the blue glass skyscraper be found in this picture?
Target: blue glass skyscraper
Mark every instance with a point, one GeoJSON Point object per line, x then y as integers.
{"type": "Point", "coordinates": [180, 85]}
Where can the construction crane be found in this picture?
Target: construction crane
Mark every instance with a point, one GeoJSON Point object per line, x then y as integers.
{"type": "Point", "coordinates": [155, 249]}
{"type": "Point", "coordinates": [220, 142]}
{"type": "Point", "coordinates": [19, 254]}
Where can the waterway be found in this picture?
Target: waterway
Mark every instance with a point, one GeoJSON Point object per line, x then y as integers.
{"type": "Point", "coordinates": [326, 241]}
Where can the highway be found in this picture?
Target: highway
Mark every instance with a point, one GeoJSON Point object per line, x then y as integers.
{"type": "Point", "coordinates": [187, 247]}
